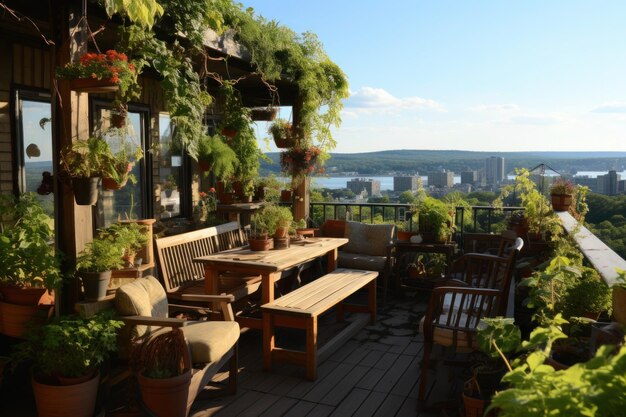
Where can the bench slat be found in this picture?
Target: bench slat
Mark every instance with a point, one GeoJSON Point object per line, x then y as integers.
{"type": "Point", "coordinates": [320, 295]}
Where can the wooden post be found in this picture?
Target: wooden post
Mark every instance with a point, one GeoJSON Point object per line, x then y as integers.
{"type": "Point", "coordinates": [301, 193]}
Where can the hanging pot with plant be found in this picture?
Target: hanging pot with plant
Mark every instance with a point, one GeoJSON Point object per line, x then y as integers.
{"type": "Point", "coordinates": [282, 132]}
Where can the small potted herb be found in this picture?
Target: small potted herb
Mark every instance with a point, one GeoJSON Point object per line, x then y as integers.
{"type": "Point", "coordinates": [130, 236]}
{"type": "Point", "coordinates": [95, 263]}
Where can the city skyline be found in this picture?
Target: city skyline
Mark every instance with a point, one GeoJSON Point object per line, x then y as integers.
{"type": "Point", "coordinates": [484, 76]}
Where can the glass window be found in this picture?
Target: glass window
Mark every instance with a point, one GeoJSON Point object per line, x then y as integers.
{"type": "Point", "coordinates": [34, 156]}
{"type": "Point", "coordinates": [170, 170]}
{"type": "Point", "coordinates": [130, 201]}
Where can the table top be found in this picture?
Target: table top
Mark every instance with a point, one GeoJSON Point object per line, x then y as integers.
{"type": "Point", "coordinates": [276, 259]}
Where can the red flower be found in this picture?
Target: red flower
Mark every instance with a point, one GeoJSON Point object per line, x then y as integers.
{"type": "Point", "coordinates": [212, 190]}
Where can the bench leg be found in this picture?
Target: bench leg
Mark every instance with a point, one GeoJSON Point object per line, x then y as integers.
{"type": "Point", "coordinates": [268, 340]}
{"type": "Point", "coordinates": [311, 348]}
{"type": "Point", "coordinates": [372, 300]}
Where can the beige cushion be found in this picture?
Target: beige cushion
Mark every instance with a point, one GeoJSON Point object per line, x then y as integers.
{"type": "Point", "coordinates": [142, 297]}
{"type": "Point", "coordinates": [210, 340]}
{"type": "Point", "coordinates": [358, 261]}
{"type": "Point", "coordinates": [368, 239]}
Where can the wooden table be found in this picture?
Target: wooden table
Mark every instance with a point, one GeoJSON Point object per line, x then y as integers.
{"type": "Point", "coordinates": [239, 212]}
{"type": "Point", "coordinates": [401, 248]}
{"type": "Point", "coordinates": [269, 264]}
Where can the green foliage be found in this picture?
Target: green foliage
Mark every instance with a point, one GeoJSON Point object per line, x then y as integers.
{"type": "Point", "coordinates": [221, 158]}
{"type": "Point", "coordinates": [498, 335]}
{"type": "Point", "coordinates": [101, 254]}
{"type": "Point", "coordinates": [130, 236]}
{"type": "Point", "coordinates": [70, 346]}
{"type": "Point", "coordinates": [562, 186]}
{"type": "Point", "coordinates": [86, 158]}
{"type": "Point", "coordinates": [124, 155]}
{"type": "Point", "coordinates": [434, 217]}
{"type": "Point", "coordinates": [592, 388]}
{"type": "Point", "coordinates": [270, 217]}
{"type": "Point", "coordinates": [142, 12]}
{"type": "Point", "coordinates": [27, 253]}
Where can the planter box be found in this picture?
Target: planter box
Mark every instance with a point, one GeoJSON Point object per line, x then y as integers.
{"type": "Point", "coordinates": [92, 85]}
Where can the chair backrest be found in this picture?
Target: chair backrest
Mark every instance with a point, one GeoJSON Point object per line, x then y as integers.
{"type": "Point", "coordinates": [333, 228]}
{"type": "Point", "coordinates": [175, 254]}
{"type": "Point", "coordinates": [368, 239]}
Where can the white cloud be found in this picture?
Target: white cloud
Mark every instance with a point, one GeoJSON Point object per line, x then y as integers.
{"type": "Point", "coordinates": [368, 99]}
{"type": "Point", "coordinates": [537, 119]}
{"type": "Point", "coordinates": [613, 107]}
{"type": "Point", "coordinates": [495, 108]}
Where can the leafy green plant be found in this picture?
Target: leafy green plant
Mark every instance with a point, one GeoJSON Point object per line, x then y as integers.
{"type": "Point", "coordinates": [27, 254]}
{"type": "Point", "coordinates": [86, 158]}
{"type": "Point", "coordinates": [592, 388]}
{"type": "Point", "coordinates": [562, 186]}
{"type": "Point", "coordinates": [130, 236]}
{"type": "Point", "coordinates": [123, 157]}
{"type": "Point", "coordinates": [142, 12]}
{"type": "Point", "coordinates": [434, 218]}
{"type": "Point", "coordinates": [70, 346]}
{"type": "Point", "coordinates": [269, 218]}
{"type": "Point", "coordinates": [101, 254]}
{"type": "Point", "coordinates": [221, 159]}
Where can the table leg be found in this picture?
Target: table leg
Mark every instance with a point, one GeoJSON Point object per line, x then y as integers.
{"type": "Point", "coordinates": [211, 283]}
{"type": "Point", "coordinates": [331, 257]}
{"type": "Point", "coordinates": [267, 286]}
{"type": "Point", "coordinates": [268, 340]}
{"type": "Point", "coordinates": [311, 348]}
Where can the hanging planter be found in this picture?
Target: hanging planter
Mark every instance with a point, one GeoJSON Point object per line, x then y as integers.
{"type": "Point", "coordinates": [85, 190]}
{"type": "Point", "coordinates": [111, 184]}
{"type": "Point", "coordinates": [263, 114]}
{"type": "Point", "coordinates": [118, 117]}
{"type": "Point", "coordinates": [100, 73]}
{"type": "Point", "coordinates": [281, 131]}
{"type": "Point", "coordinates": [229, 132]}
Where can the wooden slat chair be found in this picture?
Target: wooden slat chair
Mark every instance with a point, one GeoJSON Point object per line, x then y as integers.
{"type": "Point", "coordinates": [142, 305]}
{"type": "Point", "coordinates": [181, 276]}
{"type": "Point", "coordinates": [454, 311]}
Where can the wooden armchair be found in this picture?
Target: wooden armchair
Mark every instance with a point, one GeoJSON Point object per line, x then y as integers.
{"type": "Point", "coordinates": [454, 310]}
{"type": "Point", "coordinates": [142, 305]}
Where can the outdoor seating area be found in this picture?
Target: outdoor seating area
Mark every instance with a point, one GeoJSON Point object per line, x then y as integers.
{"type": "Point", "coordinates": [149, 266]}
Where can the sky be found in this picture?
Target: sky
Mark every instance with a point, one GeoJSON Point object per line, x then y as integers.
{"type": "Point", "coordinates": [518, 75]}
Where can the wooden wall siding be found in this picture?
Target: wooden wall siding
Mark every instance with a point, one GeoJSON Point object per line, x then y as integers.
{"type": "Point", "coordinates": [6, 165]}
{"type": "Point", "coordinates": [31, 66]}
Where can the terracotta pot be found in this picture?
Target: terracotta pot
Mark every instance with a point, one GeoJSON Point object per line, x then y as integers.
{"type": "Point", "coordinates": [26, 296]}
{"type": "Point", "coordinates": [266, 115]}
{"type": "Point", "coordinates": [405, 236]}
{"type": "Point", "coordinates": [259, 193]}
{"type": "Point", "coordinates": [474, 407]}
{"type": "Point", "coordinates": [219, 186]}
{"type": "Point", "coordinates": [92, 85]}
{"type": "Point", "coordinates": [85, 190]}
{"type": "Point", "coordinates": [229, 133]}
{"type": "Point", "coordinates": [263, 244]}
{"type": "Point", "coordinates": [226, 198]}
{"type": "Point", "coordinates": [204, 166]}
{"type": "Point", "coordinates": [166, 397]}
{"type": "Point", "coordinates": [561, 202]}
{"type": "Point", "coordinates": [111, 184]}
{"type": "Point", "coordinates": [238, 188]}
{"type": "Point", "coordinates": [95, 284]}
{"type": "Point", "coordinates": [77, 400]}
{"type": "Point", "coordinates": [16, 319]}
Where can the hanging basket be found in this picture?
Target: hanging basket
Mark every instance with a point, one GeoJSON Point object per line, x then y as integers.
{"type": "Point", "coordinates": [263, 114]}
{"type": "Point", "coordinates": [93, 85]}
{"type": "Point", "coordinates": [111, 184]}
{"type": "Point", "coordinates": [85, 190]}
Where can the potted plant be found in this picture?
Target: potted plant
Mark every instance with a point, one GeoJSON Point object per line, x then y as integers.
{"type": "Point", "coordinates": [299, 162]}
{"type": "Point", "coordinates": [95, 263]}
{"type": "Point", "coordinates": [259, 239]}
{"type": "Point", "coordinates": [124, 155]}
{"type": "Point", "coordinates": [130, 236]}
{"type": "Point", "coordinates": [84, 161]}
{"type": "Point", "coordinates": [265, 114]}
{"type": "Point", "coordinates": [30, 265]}
{"type": "Point", "coordinates": [619, 297]}
{"type": "Point", "coordinates": [216, 156]}
{"type": "Point", "coordinates": [163, 380]}
{"type": "Point", "coordinates": [270, 221]}
{"type": "Point", "coordinates": [66, 355]}
{"type": "Point", "coordinates": [96, 73]}
{"type": "Point", "coordinates": [282, 132]}
{"type": "Point", "coordinates": [562, 193]}
{"type": "Point", "coordinates": [169, 185]}
{"type": "Point", "coordinates": [435, 221]}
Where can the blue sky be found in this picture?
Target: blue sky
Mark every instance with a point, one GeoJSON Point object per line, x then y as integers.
{"type": "Point", "coordinates": [472, 75]}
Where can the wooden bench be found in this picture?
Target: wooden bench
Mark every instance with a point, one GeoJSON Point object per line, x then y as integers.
{"type": "Point", "coordinates": [301, 308]}
{"type": "Point", "coordinates": [180, 275]}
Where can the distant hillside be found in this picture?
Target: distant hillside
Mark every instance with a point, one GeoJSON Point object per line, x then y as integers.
{"type": "Point", "coordinates": [422, 161]}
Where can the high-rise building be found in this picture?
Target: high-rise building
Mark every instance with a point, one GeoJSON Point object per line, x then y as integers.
{"type": "Point", "coordinates": [469, 177]}
{"type": "Point", "coordinates": [405, 183]}
{"type": "Point", "coordinates": [494, 170]}
{"type": "Point", "coordinates": [441, 179]}
{"type": "Point", "coordinates": [608, 183]}
{"type": "Point", "coordinates": [357, 185]}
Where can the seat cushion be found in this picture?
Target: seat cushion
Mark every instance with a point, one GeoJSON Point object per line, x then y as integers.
{"type": "Point", "coordinates": [359, 261]}
{"type": "Point", "coordinates": [368, 239]}
{"type": "Point", "coordinates": [210, 340]}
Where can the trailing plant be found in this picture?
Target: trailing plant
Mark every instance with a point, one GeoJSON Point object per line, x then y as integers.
{"type": "Point", "coordinates": [142, 12]}
{"type": "Point", "coordinates": [221, 159]}
{"type": "Point", "coordinates": [124, 155]}
{"type": "Point", "coordinates": [28, 257]}
{"type": "Point", "coordinates": [70, 346]}
{"type": "Point", "coordinates": [299, 163]}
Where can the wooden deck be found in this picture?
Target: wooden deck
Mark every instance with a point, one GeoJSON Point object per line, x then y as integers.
{"type": "Point", "coordinates": [373, 374]}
